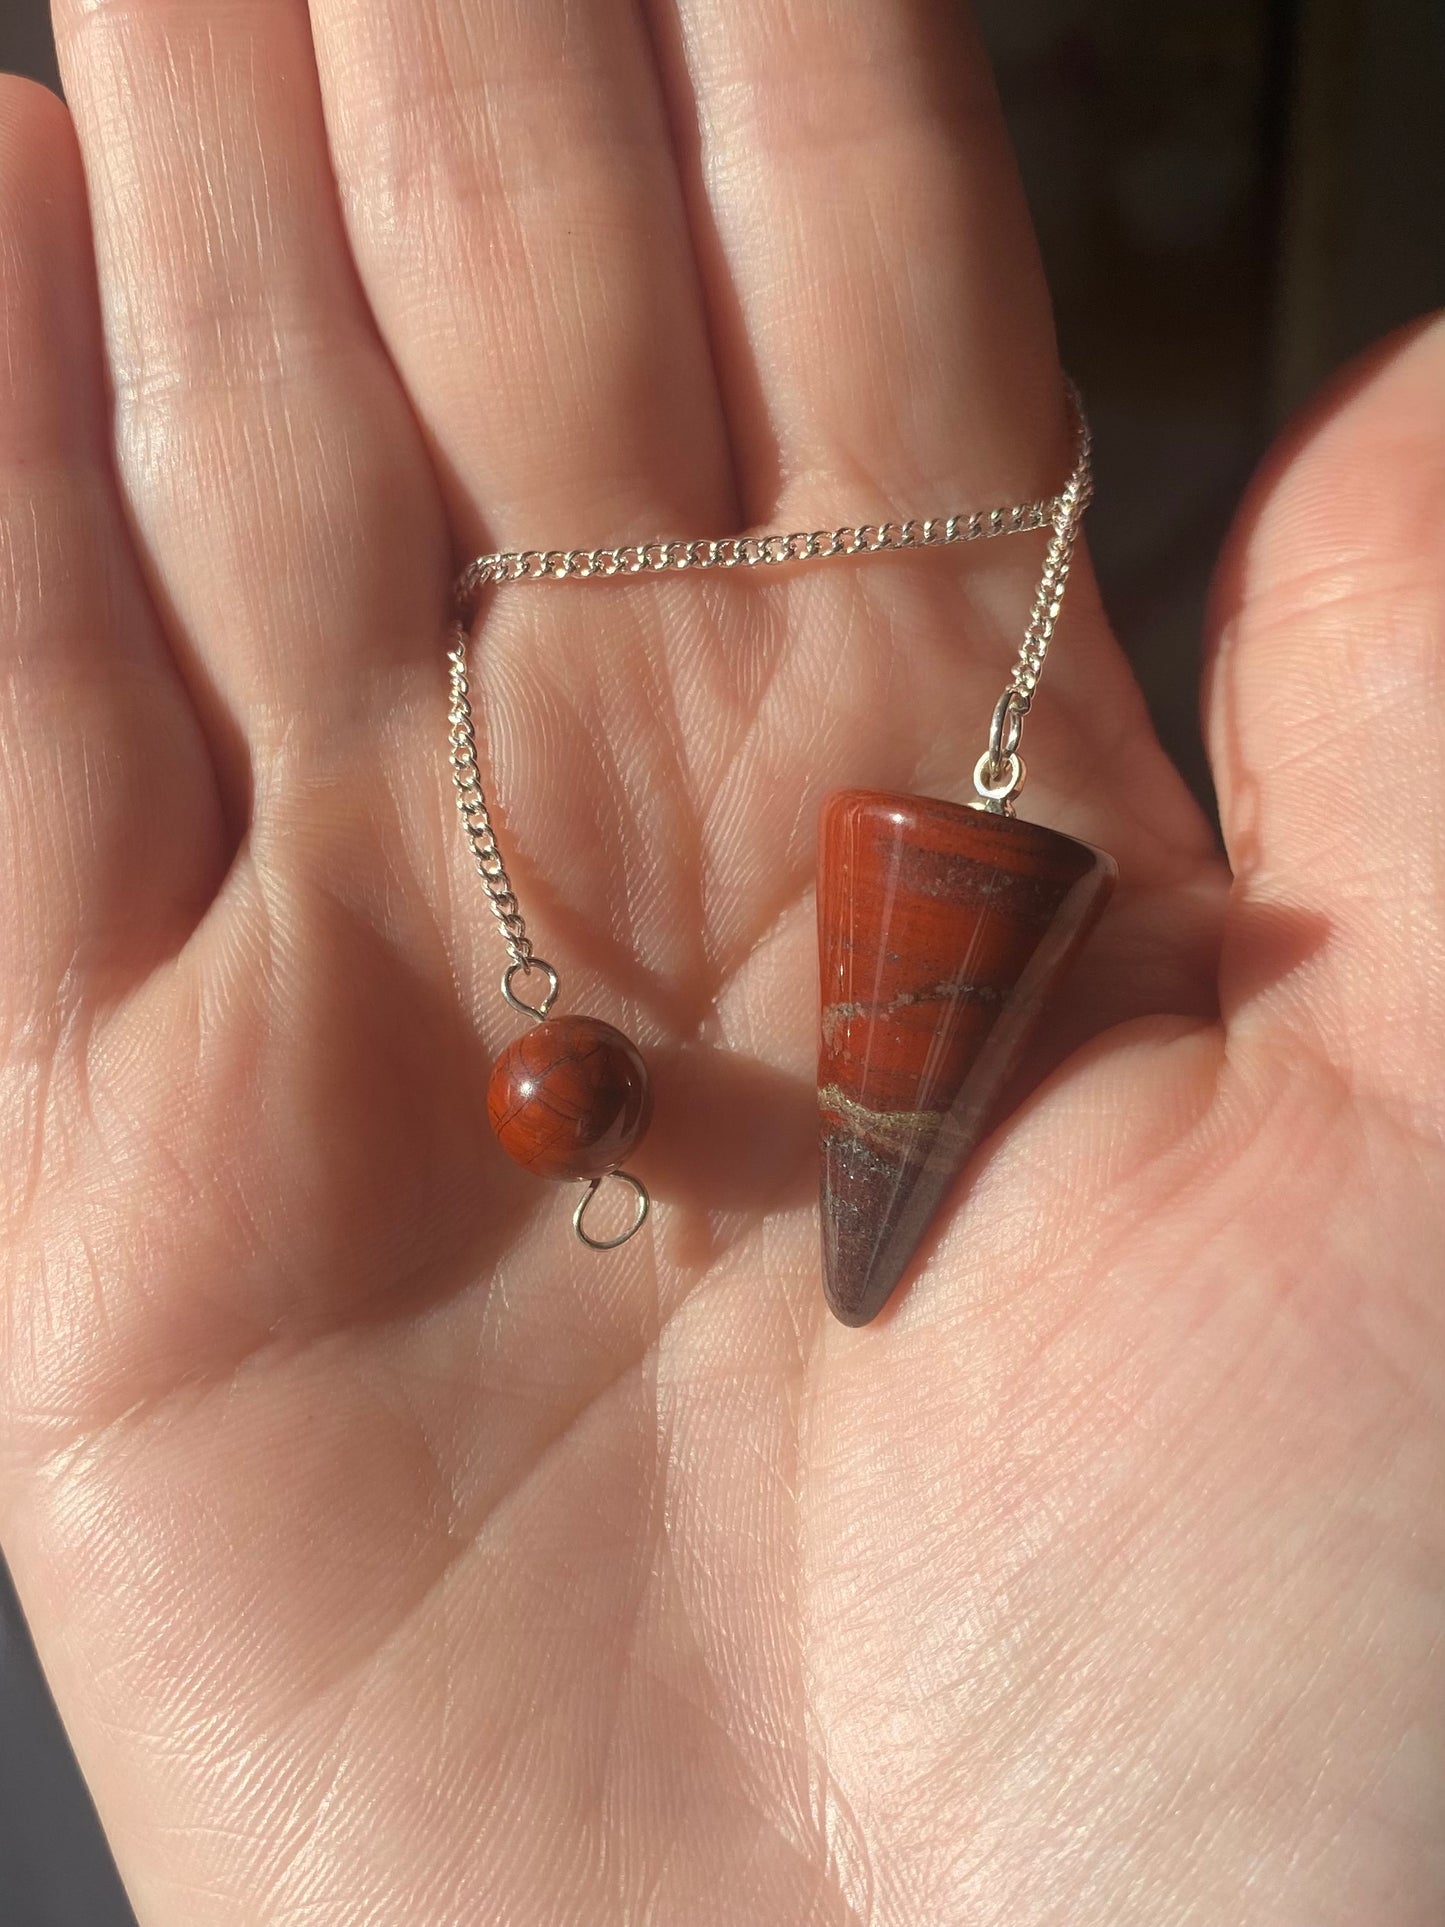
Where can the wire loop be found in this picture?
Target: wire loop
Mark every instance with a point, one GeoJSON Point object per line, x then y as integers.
{"type": "Point", "coordinates": [642, 1210]}
{"type": "Point", "coordinates": [541, 1009]}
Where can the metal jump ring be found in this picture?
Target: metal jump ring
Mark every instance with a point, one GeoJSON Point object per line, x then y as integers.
{"type": "Point", "coordinates": [539, 1010]}
{"type": "Point", "coordinates": [643, 1207]}
{"type": "Point", "coordinates": [999, 788]}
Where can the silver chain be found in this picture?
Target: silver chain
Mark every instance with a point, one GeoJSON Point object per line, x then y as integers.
{"type": "Point", "coordinates": [746, 551]}
{"type": "Point", "coordinates": [475, 814]}
{"type": "Point", "coordinates": [1068, 522]}
{"type": "Point", "coordinates": [999, 774]}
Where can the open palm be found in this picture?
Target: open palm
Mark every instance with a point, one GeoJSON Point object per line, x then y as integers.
{"type": "Point", "coordinates": [393, 1559]}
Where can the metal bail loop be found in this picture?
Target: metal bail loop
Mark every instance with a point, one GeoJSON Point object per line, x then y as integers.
{"type": "Point", "coordinates": [999, 773]}
{"type": "Point", "coordinates": [1005, 732]}
{"type": "Point", "coordinates": [537, 1011]}
{"type": "Point", "coordinates": [641, 1212]}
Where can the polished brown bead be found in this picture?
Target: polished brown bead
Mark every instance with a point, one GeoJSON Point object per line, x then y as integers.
{"type": "Point", "coordinates": [943, 932]}
{"type": "Point", "coordinates": [570, 1098]}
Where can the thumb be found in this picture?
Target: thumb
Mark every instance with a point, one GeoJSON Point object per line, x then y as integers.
{"type": "Point", "coordinates": [1326, 723]}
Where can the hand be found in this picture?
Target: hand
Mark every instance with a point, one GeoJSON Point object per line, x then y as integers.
{"type": "Point", "coordinates": [394, 1560]}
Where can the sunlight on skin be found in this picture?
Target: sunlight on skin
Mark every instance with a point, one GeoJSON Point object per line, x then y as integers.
{"type": "Point", "coordinates": [393, 1559]}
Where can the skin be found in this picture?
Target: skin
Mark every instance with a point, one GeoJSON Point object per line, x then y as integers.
{"type": "Point", "coordinates": [393, 1559]}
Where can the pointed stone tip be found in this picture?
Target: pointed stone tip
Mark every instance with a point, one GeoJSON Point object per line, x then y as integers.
{"type": "Point", "coordinates": [856, 1301]}
{"type": "Point", "coordinates": [855, 1316]}
{"type": "Point", "coordinates": [871, 1214]}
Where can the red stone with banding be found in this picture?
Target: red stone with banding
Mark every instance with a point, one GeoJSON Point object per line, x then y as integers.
{"type": "Point", "coordinates": [570, 1098]}
{"type": "Point", "coordinates": [943, 932]}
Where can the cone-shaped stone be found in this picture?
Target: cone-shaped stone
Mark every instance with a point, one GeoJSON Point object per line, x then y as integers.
{"type": "Point", "coordinates": [943, 932]}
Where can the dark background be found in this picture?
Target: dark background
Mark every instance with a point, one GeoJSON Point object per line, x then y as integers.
{"type": "Point", "coordinates": [1234, 196]}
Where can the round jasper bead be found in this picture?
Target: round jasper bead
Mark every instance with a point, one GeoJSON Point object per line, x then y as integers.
{"type": "Point", "coordinates": [570, 1098]}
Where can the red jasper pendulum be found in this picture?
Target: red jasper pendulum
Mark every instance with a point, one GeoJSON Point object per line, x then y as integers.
{"type": "Point", "coordinates": [569, 1099]}
{"type": "Point", "coordinates": [944, 930]}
